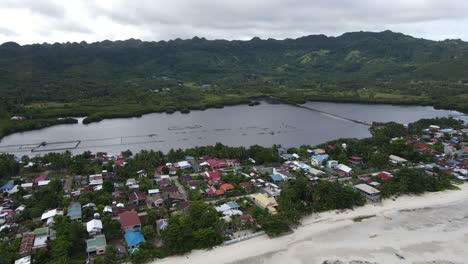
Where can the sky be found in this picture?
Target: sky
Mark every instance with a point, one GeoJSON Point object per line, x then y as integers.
{"type": "Point", "coordinates": [38, 21]}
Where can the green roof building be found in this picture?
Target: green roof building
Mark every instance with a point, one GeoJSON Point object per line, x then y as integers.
{"type": "Point", "coordinates": [96, 245]}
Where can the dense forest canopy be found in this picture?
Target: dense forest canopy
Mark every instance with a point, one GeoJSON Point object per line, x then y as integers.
{"type": "Point", "coordinates": [131, 77]}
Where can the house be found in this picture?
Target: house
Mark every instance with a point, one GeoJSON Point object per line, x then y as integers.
{"type": "Point", "coordinates": [397, 160]}
{"type": "Point", "coordinates": [183, 165]}
{"type": "Point", "coordinates": [355, 160]}
{"type": "Point", "coordinates": [165, 182]}
{"type": "Point", "coordinates": [43, 183]}
{"type": "Point", "coordinates": [384, 175]}
{"type": "Point", "coordinates": [130, 221]}
{"type": "Point", "coordinates": [26, 244]}
{"type": "Point", "coordinates": [137, 198]}
{"type": "Point", "coordinates": [96, 245]}
{"type": "Point", "coordinates": [120, 162]}
{"type": "Point", "coordinates": [74, 211]}
{"type": "Point", "coordinates": [153, 191]}
{"type": "Point", "coordinates": [118, 195]}
{"type": "Point", "coordinates": [155, 200]}
{"type": "Point", "coordinates": [48, 216]}
{"type": "Point", "coordinates": [95, 179]}
{"type": "Point", "coordinates": [371, 194]}
{"type": "Point", "coordinates": [276, 178]}
{"type": "Point", "coordinates": [229, 209]}
{"type": "Point", "coordinates": [40, 238]}
{"type": "Point", "coordinates": [216, 163]}
{"type": "Point", "coordinates": [226, 187]}
{"type": "Point", "coordinates": [347, 170]}
{"type": "Point", "coordinates": [219, 192]}
{"type": "Point", "coordinates": [318, 160]}
{"type": "Point", "coordinates": [40, 178]}
{"type": "Point", "coordinates": [94, 227]}
{"type": "Point", "coordinates": [212, 177]}
{"type": "Point", "coordinates": [27, 186]}
{"type": "Point", "coordinates": [282, 150]}
{"type": "Point", "coordinates": [287, 156]}
{"type": "Point", "coordinates": [264, 202]}
{"type": "Point", "coordinates": [318, 151]}
{"type": "Point", "coordinates": [315, 172]}
{"type": "Point", "coordinates": [170, 189]}
{"type": "Point", "coordinates": [193, 184]}
{"type": "Point", "coordinates": [7, 187]}
{"type": "Point", "coordinates": [332, 164]}
{"type": "Point", "coordinates": [133, 239]}
{"type": "Point", "coordinates": [24, 260]}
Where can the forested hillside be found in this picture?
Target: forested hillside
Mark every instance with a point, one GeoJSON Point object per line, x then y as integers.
{"type": "Point", "coordinates": [125, 78]}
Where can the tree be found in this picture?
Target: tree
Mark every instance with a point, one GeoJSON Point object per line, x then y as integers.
{"type": "Point", "coordinates": [127, 153]}
{"type": "Point", "coordinates": [148, 232]}
{"type": "Point", "coordinates": [202, 215]}
{"type": "Point", "coordinates": [8, 166]}
{"type": "Point", "coordinates": [177, 236]}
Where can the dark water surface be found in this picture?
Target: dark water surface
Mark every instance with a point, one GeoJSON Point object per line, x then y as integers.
{"type": "Point", "coordinates": [265, 124]}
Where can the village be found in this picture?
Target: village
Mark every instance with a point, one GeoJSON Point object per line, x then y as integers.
{"type": "Point", "coordinates": [121, 215]}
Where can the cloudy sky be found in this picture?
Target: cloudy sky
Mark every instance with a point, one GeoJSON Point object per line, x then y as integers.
{"type": "Point", "coordinates": [37, 21]}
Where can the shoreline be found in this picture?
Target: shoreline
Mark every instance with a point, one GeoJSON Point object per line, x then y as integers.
{"type": "Point", "coordinates": [318, 226]}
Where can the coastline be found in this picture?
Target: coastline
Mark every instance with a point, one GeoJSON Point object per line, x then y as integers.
{"type": "Point", "coordinates": [376, 239]}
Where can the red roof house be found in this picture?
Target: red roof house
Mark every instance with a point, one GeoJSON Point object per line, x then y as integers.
{"type": "Point", "coordinates": [130, 221]}
{"type": "Point", "coordinates": [355, 160]}
{"type": "Point", "coordinates": [137, 198]}
{"type": "Point", "coordinates": [119, 162]}
{"type": "Point", "coordinates": [212, 176]}
{"type": "Point", "coordinates": [26, 244]}
{"type": "Point", "coordinates": [217, 164]}
{"type": "Point", "coordinates": [226, 187]}
{"type": "Point", "coordinates": [384, 176]}
{"type": "Point", "coordinates": [40, 178]}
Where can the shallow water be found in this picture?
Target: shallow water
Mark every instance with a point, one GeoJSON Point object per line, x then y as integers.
{"type": "Point", "coordinates": [265, 124]}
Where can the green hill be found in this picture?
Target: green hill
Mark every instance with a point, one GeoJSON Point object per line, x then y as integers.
{"type": "Point", "coordinates": [125, 78]}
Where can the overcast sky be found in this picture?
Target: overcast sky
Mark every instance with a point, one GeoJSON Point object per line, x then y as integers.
{"type": "Point", "coordinates": [37, 21]}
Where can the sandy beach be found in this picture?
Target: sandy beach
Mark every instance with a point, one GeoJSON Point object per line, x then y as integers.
{"type": "Point", "coordinates": [431, 228]}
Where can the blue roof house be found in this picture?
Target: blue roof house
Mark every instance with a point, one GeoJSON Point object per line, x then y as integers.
{"type": "Point", "coordinates": [7, 187]}
{"type": "Point", "coordinates": [133, 239]}
{"type": "Point", "coordinates": [318, 160]}
{"type": "Point", "coordinates": [74, 211]}
{"type": "Point", "coordinates": [233, 205]}
{"type": "Point", "coordinates": [282, 150]}
{"type": "Point", "coordinates": [189, 158]}
{"type": "Point", "coordinates": [276, 178]}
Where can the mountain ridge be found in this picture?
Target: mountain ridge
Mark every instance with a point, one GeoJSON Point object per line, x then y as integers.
{"type": "Point", "coordinates": [127, 78]}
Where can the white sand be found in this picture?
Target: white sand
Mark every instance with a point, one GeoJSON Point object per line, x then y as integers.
{"type": "Point", "coordinates": [429, 228]}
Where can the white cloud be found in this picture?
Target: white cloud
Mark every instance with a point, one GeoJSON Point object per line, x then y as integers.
{"type": "Point", "coordinates": [36, 21]}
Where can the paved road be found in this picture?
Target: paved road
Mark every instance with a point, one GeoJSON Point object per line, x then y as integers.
{"type": "Point", "coordinates": [181, 188]}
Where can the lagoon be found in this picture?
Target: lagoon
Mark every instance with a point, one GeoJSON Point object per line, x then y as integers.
{"type": "Point", "coordinates": [265, 124]}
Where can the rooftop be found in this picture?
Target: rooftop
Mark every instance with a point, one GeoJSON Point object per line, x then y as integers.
{"type": "Point", "coordinates": [74, 210]}
{"type": "Point", "coordinates": [129, 218]}
{"type": "Point", "coordinates": [134, 238]}
{"type": "Point", "coordinates": [96, 242]}
{"type": "Point", "coordinates": [366, 188]}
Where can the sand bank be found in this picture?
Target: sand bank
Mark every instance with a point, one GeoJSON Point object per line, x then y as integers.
{"type": "Point", "coordinates": [431, 228]}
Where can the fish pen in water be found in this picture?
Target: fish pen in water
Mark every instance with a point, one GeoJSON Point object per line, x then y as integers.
{"type": "Point", "coordinates": [79, 144]}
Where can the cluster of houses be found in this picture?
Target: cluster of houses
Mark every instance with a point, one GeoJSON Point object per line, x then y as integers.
{"type": "Point", "coordinates": [172, 184]}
